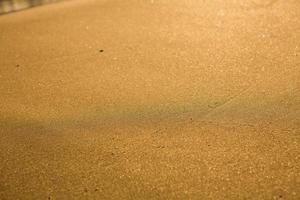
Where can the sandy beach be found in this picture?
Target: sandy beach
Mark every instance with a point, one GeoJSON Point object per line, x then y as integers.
{"type": "Point", "coordinates": [154, 99]}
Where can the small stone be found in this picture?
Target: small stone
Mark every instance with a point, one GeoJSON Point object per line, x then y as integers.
{"type": "Point", "coordinates": [101, 50]}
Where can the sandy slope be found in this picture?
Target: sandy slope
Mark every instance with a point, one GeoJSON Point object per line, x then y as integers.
{"type": "Point", "coordinates": [187, 99]}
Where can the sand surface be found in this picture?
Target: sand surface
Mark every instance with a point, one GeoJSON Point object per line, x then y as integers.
{"type": "Point", "coordinates": [152, 99]}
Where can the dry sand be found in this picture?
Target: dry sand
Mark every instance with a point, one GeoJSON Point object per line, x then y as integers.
{"type": "Point", "coordinates": [153, 99]}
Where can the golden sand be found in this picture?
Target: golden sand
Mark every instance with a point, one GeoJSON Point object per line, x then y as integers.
{"type": "Point", "coordinates": [115, 99]}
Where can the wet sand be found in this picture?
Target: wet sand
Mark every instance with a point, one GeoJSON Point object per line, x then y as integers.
{"type": "Point", "coordinates": [115, 99]}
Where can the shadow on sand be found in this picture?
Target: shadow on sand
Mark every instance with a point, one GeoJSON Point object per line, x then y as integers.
{"type": "Point", "coordinates": [7, 6]}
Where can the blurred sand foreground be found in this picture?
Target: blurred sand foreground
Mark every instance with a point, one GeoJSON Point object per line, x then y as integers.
{"type": "Point", "coordinates": [161, 99]}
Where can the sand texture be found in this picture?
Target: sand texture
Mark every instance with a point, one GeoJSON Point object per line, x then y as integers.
{"type": "Point", "coordinates": [151, 99]}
